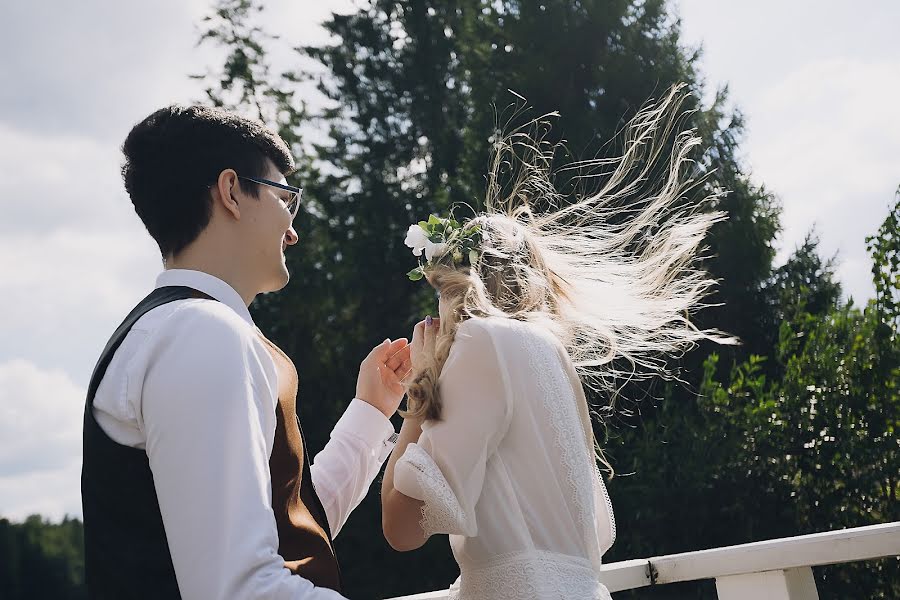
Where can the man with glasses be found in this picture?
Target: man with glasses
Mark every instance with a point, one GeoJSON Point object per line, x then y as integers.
{"type": "Point", "coordinates": [196, 482]}
{"type": "Point", "coordinates": [291, 199]}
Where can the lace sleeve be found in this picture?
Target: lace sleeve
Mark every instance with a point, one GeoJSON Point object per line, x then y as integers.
{"type": "Point", "coordinates": [446, 468]}
{"type": "Point", "coordinates": [417, 476]}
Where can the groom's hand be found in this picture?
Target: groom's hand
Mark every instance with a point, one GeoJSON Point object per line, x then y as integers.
{"type": "Point", "coordinates": [380, 374]}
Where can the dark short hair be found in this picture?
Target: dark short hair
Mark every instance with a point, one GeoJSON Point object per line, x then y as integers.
{"type": "Point", "coordinates": [173, 157]}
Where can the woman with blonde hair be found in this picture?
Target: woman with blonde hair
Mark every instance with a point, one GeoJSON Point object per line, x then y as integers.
{"type": "Point", "coordinates": [539, 296]}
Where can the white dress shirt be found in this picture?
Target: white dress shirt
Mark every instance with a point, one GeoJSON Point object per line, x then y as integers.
{"type": "Point", "coordinates": [195, 386]}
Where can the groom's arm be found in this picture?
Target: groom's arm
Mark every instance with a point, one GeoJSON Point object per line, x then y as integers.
{"type": "Point", "coordinates": [208, 414]}
{"type": "Point", "coordinates": [344, 470]}
{"type": "Point", "coordinates": [364, 437]}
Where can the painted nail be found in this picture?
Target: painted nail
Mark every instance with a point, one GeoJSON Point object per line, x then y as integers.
{"type": "Point", "coordinates": [428, 321]}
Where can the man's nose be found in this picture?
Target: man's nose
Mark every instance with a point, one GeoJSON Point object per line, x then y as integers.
{"type": "Point", "coordinates": [291, 236]}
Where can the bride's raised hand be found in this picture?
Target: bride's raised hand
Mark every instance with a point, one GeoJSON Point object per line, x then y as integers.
{"type": "Point", "coordinates": [422, 346]}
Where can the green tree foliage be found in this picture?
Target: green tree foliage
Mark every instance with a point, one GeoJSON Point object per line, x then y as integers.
{"type": "Point", "coordinates": [819, 446]}
{"type": "Point", "coordinates": [40, 559]}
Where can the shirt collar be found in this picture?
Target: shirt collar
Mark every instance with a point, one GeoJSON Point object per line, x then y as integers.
{"type": "Point", "coordinates": [208, 284]}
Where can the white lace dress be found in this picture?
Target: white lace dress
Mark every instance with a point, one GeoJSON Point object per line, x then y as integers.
{"type": "Point", "coordinates": [508, 472]}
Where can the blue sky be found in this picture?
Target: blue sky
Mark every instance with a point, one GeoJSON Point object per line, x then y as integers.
{"type": "Point", "coordinates": [817, 82]}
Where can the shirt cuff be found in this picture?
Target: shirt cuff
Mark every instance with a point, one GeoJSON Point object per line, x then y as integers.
{"type": "Point", "coordinates": [367, 423]}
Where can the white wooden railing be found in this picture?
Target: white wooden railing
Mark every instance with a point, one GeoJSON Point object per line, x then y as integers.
{"type": "Point", "coordinates": [775, 569]}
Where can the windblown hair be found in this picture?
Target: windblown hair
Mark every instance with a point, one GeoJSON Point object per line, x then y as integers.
{"type": "Point", "coordinates": [613, 272]}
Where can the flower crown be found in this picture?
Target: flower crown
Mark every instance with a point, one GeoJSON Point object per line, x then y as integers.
{"type": "Point", "coordinates": [437, 238]}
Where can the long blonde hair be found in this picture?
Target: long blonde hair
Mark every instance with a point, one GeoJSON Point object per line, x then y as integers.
{"type": "Point", "coordinates": [613, 273]}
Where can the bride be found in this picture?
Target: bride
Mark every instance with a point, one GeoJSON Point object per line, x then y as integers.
{"type": "Point", "coordinates": [497, 447]}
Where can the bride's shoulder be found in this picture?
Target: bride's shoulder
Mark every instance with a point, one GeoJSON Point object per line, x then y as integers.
{"type": "Point", "coordinates": [476, 330]}
{"type": "Point", "coordinates": [484, 334]}
{"type": "Point", "coordinates": [486, 328]}
{"type": "Point", "coordinates": [501, 334]}
{"type": "Point", "coordinates": [473, 325]}
{"type": "Point", "coordinates": [506, 326]}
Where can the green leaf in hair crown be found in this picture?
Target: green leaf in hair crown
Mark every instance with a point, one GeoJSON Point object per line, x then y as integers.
{"type": "Point", "coordinates": [436, 239]}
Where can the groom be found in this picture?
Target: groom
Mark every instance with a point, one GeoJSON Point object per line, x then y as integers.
{"type": "Point", "coordinates": [196, 481]}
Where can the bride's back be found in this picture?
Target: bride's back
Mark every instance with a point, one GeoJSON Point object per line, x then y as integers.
{"type": "Point", "coordinates": [541, 495]}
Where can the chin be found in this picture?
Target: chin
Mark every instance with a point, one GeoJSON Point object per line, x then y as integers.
{"type": "Point", "coordinates": [276, 282]}
{"type": "Point", "coordinates": [282, 280]}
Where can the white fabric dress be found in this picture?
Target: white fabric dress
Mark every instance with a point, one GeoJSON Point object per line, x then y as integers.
{"type": "Point", "coordinates": [508, 471]}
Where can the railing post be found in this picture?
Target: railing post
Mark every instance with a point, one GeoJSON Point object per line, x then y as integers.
{"type": "Point", "coordinates": [790, 584]}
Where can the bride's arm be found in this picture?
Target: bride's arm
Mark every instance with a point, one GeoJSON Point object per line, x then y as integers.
{"type": "Point", "coordinates": [400, 514]}
{"type": "Point", "coordinates": [436, 473]}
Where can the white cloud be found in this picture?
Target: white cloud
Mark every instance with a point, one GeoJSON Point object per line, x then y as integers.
{"type": "Point", "coordinates": [64, 291]}
{"type": "Point", "coordinates": [830, 125]}
{"type": "Point", "coordinates": [40, 453]}
{"type": "Point", "coordinates": [53, 494]}
{"type": "Point", "coordinates": [817, 85]}
{"type": "Point", "coordinates": [69, 180]}
{"type": "Point", "coordinates": [826, 139]}
{"type": "Point", "coordinates": [95, 66]}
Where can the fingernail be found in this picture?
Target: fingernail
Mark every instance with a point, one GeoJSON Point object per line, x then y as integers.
{"type": "Point", "coordinates": [428, 321]}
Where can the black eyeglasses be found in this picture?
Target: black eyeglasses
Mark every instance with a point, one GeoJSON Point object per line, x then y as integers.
{"type": "Point", "coordinates": [292, 204]}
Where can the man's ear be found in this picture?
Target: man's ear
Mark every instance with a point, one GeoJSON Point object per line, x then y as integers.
{"type": "Point", "coordinates": [226, 190]}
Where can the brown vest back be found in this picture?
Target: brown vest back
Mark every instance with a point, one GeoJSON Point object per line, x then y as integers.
{"type": "Point", "coordinates": [304, 537]}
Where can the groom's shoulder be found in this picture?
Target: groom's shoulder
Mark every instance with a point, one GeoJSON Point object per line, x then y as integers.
{"type": "Point", "coordinates": [209, 319]}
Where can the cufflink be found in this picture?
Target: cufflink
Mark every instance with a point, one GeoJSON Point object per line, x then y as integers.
{"type": "Point", "coordinates": [392, 440]}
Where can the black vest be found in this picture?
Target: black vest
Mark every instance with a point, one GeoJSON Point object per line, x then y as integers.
{"type": "Point", "coordinates": [126, 551]}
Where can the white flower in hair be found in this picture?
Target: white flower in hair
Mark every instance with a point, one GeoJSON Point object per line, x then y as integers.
{"type": "Point", "coordinates": [432, 250]}
{"type": "Point", "coordinates": [417, 239]}
{"type": "Point", "coordinates": [437, 237]}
